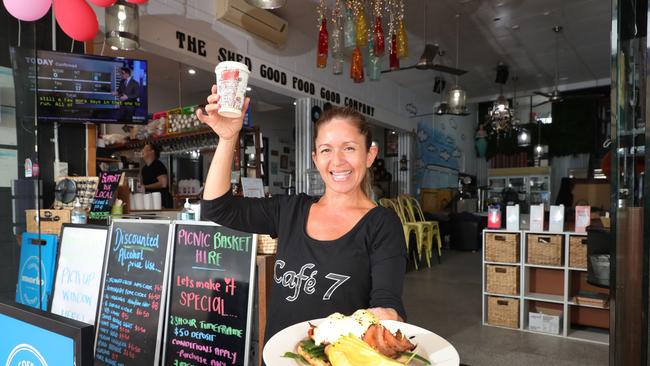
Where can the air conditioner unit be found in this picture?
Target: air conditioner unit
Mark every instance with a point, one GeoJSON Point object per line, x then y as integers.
{"type": "Point", "coordinates": [259, 22]}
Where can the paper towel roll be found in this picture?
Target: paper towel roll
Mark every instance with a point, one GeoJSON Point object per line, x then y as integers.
{"type": "Point", "coordinates": [157, 201]}
{"type": "Point", "coordinates": [137, 201]}
{"type": "Point", "coordinates": [148, 201]}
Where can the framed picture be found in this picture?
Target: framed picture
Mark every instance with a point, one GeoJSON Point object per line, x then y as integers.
{"type": "Point", "coordinates": [284, 161]}
{"type": "Point", "coordinates": [390, 142]}
{"type": "Point", "coordinates": [274, 153]}
{"type": "Point", "coordinates": [274, 168]}
{"type": "Point", "coordinates": [286, 149]}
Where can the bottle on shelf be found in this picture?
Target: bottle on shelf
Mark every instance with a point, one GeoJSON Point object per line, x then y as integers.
{"type": "Point", "coordinates": [78, 215]}
{"type": "Point", "coordinates": [187, 213]}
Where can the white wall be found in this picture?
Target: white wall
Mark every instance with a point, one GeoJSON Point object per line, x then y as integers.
{"type": "Point", "coordinates": [440, 159]}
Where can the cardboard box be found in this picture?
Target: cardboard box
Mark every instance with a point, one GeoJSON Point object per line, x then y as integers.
{"type": "Point", "coordinates": [50, 220]}
{"type": "Point", "coordinates": [545, 320]}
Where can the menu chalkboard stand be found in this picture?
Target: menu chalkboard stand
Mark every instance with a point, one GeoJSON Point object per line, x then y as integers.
{"type": "Point", "coordinates": [210, 297]}
{"type": "Point", "coordinates": [100, 209]}
{"type": "Point", "coordinates": [131, 312]}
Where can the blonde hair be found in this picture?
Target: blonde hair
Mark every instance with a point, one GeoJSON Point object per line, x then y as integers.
{"type": "Point", "coordinates": [356, 119]}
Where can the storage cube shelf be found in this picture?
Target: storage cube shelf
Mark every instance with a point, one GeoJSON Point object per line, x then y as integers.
{"type": "Point", "coordinates": [547, 288]}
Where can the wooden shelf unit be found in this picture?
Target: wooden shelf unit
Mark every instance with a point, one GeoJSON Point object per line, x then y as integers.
{"type": "Point", "coordinates": [553, 287]}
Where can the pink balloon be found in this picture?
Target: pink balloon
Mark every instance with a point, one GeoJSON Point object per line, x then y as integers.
{"type": "Point", "coordinates": [103, 3]}
{"type": "Point", "coordinates": [28, 10]}
{"type": "Point", "coordinates": [77, 19]}
{"type": "Point", "coordinates": [137, 1]}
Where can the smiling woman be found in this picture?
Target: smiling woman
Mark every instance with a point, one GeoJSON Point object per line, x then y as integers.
{"type": "Point", "coordinates": [337, 253]}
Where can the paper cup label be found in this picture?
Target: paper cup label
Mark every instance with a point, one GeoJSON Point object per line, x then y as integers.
{"type": "Point", "coordinates": [231, 85]}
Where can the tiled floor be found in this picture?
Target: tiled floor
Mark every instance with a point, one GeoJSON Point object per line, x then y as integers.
{"type": "Point", "coordinates": [446, 299]}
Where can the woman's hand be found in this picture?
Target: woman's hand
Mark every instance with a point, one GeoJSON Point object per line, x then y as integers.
{"type": "Point", "coordinates": [226, 128]}
{"type": "Point", "coordinates": [385, 314]}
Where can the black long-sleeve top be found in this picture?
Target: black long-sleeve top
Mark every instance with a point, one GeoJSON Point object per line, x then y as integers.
{"type": "Point", "coordinates": [314, 278]}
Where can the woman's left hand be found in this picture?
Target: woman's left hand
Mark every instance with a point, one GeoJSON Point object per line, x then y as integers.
{"type": "Point", "coordinates": [385, 314]}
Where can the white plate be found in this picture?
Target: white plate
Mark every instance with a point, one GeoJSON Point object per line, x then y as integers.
{"type": "Point", "coordinates": [429, 345]}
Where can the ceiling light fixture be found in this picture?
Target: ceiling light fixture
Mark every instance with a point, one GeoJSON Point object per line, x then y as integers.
{"type": "Point", "coordinates": [122, 26]}
{"type": "Point", "coordinates": [248, 88]}
{"type": "Point", "coordinates": [501, 115]}
{"type": "Point", "coordinates": [191, 71]}
{"type": "Point", "coordinates": [457, 98]}
{"type": "Point", "coordinates": [523, 137]}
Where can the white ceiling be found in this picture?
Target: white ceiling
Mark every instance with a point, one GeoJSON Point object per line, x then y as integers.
{"type": "Point", "coordinates": [488, 36]}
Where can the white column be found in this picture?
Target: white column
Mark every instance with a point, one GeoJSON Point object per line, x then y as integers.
{"type": "Point", "coordinates": [304, 137]}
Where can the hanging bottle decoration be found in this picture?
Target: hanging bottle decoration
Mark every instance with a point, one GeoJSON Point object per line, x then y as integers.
{"type": "Point", "coordinates": [335, 42]}
{"type": "Point", "coordinates": [321, 60]}
{"type": "Point", "coordinates": [356, 71]}
{"type": "Point", "coordinates": [362, 40]}
{"type": "Point", "coordinates": [378, 38]}
{"type": "Point", "coordinates": [373, 67]}
{"type": "Point", "coordinates": [349, 30]}
{"type": "Point", "coordinates": [402, 39]}
{"type": "Point", "coordinates": [337, 66]}
{"type": "Point", "coordinates": [393, 59]}
{"type": "Point", "coordinates": [402, 42]}
{"type": "Point", "coordinates": [367, 54]}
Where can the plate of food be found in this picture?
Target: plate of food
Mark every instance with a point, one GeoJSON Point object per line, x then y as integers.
{"type": "Point", "coordinates": [355, 340]}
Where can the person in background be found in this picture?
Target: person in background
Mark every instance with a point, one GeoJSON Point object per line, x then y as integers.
{"type": "Point", "coordinates": [154, 175]}
{"type": "Point", "coordinates": [337, 253]}
{"type": "Point", "coordinates": [127, 93]}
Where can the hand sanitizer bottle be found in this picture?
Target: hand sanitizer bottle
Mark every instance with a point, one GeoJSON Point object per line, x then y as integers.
{"type": "Point", "coordinates": [78, 213]}
{"type": "Point", "coordinates": [187, 213]}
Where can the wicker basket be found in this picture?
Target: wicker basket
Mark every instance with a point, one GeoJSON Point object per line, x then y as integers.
{"type": "Point", "coordinates": [545, 249]}
{"type": "Point", "coordinates": [578, 251]}
{"type": "Point", "coordinates": [266, 244]}
{"type": "Point", "coordinates": [502, 279]}
{"type": "Point", "coordinates": [503, 311]}
{"type": "Point", "coordinates": [502, 247]}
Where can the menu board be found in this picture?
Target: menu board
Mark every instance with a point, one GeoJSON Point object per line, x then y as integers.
{"type": "Point", "coordinates": [105, 195]}
{"type": "Point", "coordinates": [130, 313]}
{"type": "Point", "coordinates": [79, 277]}
{"type": "Point", "coordinates": [210, 296]}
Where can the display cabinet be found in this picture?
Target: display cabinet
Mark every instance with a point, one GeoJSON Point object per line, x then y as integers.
{"type": "Point", "coordinates": [532, 185]}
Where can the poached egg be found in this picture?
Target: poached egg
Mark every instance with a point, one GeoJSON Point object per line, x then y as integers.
{"type": "Point", "coordinates": [337, 325]}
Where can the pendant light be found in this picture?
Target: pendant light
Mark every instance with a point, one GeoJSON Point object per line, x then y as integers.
{"type": "Point", "coordinates": [457, 98]}
{"type": "Point", "coordinates": [122, 26]}
{"type": "Point", "coordinates": [523, 134]}
{"type": "Point", "coordinates": [430, 51]}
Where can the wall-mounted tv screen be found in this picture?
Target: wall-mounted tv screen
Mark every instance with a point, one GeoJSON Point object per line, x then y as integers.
{"type": "Point", "coordinates": [81, 88]}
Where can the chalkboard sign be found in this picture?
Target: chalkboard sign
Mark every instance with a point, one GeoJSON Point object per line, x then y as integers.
{"type": "Point", "coordinates": [210, 296]}
{"type": "Point", "coordinates": [105, 195]}
{"type": "Point", "coordinates": [130, 314]}
{"type": "Point", "coordinates": [79, 277]}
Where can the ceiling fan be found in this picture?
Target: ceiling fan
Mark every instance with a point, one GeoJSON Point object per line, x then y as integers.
{"type": "Point", "coordinates": [555, 96]}
{"type": "Point", "coordinates": [426, 62]}
{"type": "Point", "coordinates": [428, 55]}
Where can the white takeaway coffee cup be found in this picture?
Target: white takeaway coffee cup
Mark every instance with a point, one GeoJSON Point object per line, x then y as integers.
{"type": "Point", "coordinates": [232, 80]}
